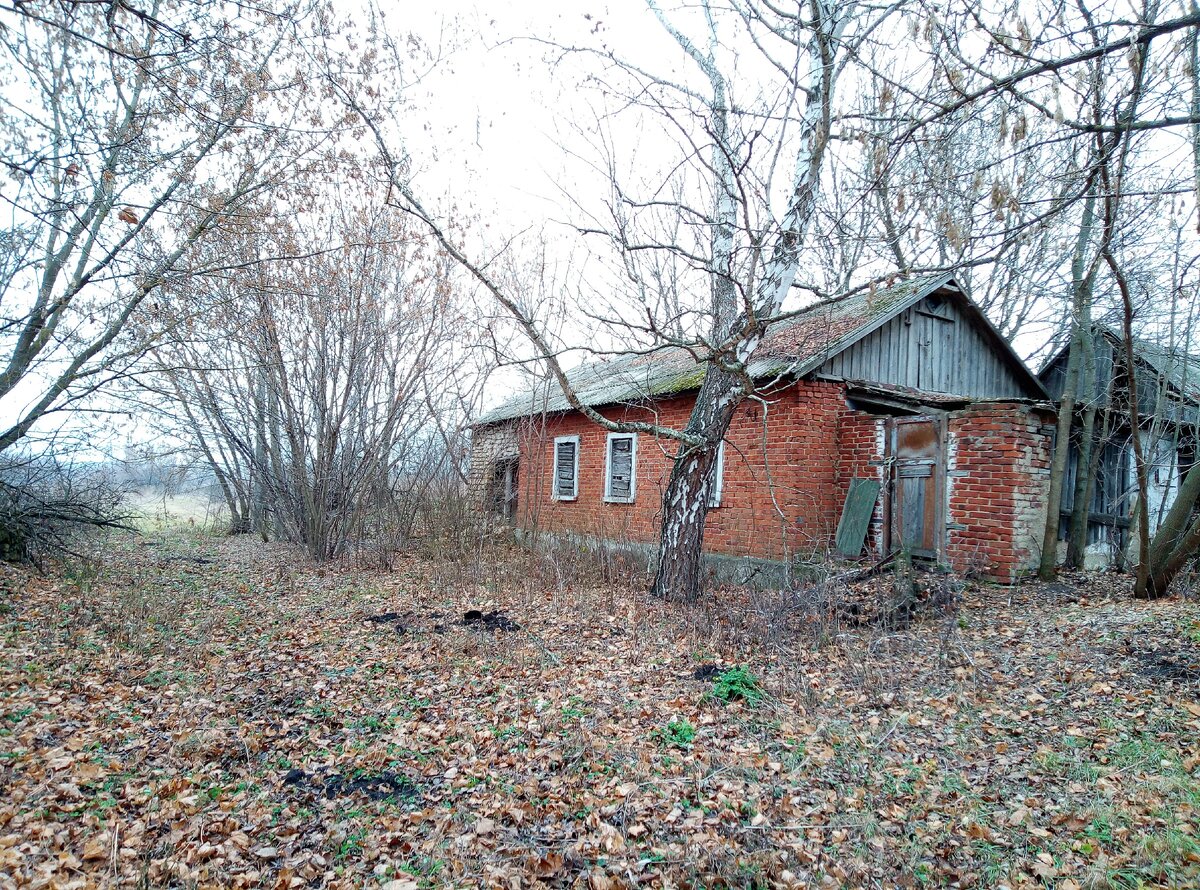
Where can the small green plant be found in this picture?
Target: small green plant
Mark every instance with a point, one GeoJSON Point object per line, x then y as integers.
{"type": "Point", "coordinates": [1051, 761]}
{"type": "Point", "coordinates": [1099, 830]}
{"type": "Point", "coordinates": [372, 723]}
{"type": "Point", "coordinates": [351, 847]}
{"type": "Point", "coordinates": [679, 733]}
{"type": "Point", "coordinates": [737, 684]}
{"type": "Point", "coordinates": [574, 708]}
{"type": "Point", "coordinates": [424, 868]}
{"type": "Point", "coordinates": [18, 715]}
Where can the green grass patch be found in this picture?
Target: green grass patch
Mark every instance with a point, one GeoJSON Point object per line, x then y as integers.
{"type": "Point", "coordinates": [737, 684]}
{"type": "Point", "coordinates": [677, 733]}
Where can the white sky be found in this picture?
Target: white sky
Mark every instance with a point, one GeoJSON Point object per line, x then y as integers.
{"type": "Point", "coordinates": [500, 117]}
{"type": "Point", "coordinates": [494, 108]}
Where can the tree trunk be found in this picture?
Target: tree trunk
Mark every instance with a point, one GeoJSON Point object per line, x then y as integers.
{"type": "Point", "coordinates": [685, 501]}
{"type": "Point", "coordinates": [1081, 498]}
{"type": "Point", "coordinates": [1048, 565]}
{"type": "Point", "coordinates": [1082, 275]}
{"type": "Point", "coordinates": [1174, 542]}
{"type": "Point", "coordinates": [1160, 575]}
{"type": "Point", "coordinates": [258, 476]}
{"type": "Point", "coordinates": [1141, 587]}
{"type": "Point", "coordinates": [680, 572]}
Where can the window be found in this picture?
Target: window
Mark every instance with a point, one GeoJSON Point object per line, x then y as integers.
{"type": "Point", "coordinates": [717, 487]}
{"type": "Point", "coordinates": [566, 468]}
{"type": "Point", "coordinates": [620, 471]}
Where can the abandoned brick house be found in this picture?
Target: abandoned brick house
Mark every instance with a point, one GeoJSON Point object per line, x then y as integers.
{"type": "Point", "coordinates": [893, 419]}
{"type": "Point", "coordinates": [1168, 383]}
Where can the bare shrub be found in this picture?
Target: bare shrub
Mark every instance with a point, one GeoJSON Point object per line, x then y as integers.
{"type": "Point", "coordinates": [325, 392]}
{"type": "Point", "coordinates": [46, 505]}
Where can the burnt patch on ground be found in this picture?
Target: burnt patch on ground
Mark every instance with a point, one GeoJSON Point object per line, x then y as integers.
{"type": "Point", "coordinates": [395, 620]}
{"type": "Point", "coordinates": [494, 620]}
{"type": "Point", "coordinates": [377, 786]}
{"type": "Point", "coordinates": [409, 622]}
{"type": "Point", "coordinates": [1181, 665]}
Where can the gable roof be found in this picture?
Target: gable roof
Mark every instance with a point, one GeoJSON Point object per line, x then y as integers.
{"type": "Point", "coordinates": [791, 348]}
{"type": "Point", "coordinates": [1180, 369]}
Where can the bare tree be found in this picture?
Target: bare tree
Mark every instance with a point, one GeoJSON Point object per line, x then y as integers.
{"type": "Point", "coordinates": [749, 257]}
{"type": "Point", "coordinates": [322, 390]}
{"type": "Point", "coordinates": [130, 135]}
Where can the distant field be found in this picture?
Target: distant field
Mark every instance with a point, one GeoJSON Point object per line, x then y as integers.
{"type": "Point", "coordinates": [193, 507]}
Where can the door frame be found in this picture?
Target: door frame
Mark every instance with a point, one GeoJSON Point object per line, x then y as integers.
{"type": "Point", "coordinates": [504, 487]}
{"type": "Point", "coordinates": [938, 420]}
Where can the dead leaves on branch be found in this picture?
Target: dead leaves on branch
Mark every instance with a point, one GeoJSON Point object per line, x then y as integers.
{"type": "Point", "coordinates": [244, 722]}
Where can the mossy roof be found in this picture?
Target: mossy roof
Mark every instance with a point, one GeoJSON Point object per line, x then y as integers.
{"type": "Point", "coordinates": [792, 348]}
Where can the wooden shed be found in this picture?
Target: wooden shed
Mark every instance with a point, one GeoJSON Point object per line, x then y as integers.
{"type": "Point", "coordinates": [1168, 384]}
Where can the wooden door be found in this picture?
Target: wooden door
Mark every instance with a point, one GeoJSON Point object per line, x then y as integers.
{"type": "Point", "coordinates": [935, 337]}
{"type": "Point", "coordinates": [917, 486]}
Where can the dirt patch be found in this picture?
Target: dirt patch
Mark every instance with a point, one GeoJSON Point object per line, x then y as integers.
{"type": "Point", "coordinates": [380, 786]}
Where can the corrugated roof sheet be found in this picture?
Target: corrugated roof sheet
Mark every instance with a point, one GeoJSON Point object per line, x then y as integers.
{"type": "Point", "coordinates": [793, 347]}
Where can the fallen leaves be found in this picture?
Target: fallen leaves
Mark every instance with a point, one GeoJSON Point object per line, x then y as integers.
{"type": "Point", "coordinates": [97, 847]}
{"type": "Point", "coordinates": [223, 714]}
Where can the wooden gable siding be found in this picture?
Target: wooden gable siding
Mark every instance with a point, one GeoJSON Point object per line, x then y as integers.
{"type": "Point", "coordinates": [1054, 375]}
{"type": "Point", "coordinates": [934, 348]}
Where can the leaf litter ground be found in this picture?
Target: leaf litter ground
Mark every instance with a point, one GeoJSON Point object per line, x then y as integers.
{"type": "Point", "coordinates": [221, 713]}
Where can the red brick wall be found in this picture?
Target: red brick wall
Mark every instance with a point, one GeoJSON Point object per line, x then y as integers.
{"type": "Point", "coordinates": [800, 467]}
{"type": "Point", "coordinates": [997, 463]}
{"type": "Point", "coordinates": [998, 469]}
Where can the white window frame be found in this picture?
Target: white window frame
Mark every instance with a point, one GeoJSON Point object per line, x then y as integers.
{"type": "Point", "coordinates": [554, 495]}
{"type": "Point", "coordinates": [718, 483]}
{"type": "Point", "coordinates": [608, 495]}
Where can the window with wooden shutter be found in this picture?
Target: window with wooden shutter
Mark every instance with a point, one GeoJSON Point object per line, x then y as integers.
{"type": "Point", "coordinates": [717, 487]}
{"type": "Point", "coordinates": [621, 468]}
{"type": "Point", "coordinates": [566, 468]}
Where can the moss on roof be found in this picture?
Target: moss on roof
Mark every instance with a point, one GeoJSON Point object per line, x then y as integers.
{"type": "Point", "coordinates": [683, 382]}
{"type": "Point", "coordinates": [794, 346]}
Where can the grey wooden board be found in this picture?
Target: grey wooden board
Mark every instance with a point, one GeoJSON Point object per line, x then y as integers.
{"type": "Point", "coordinates": [911, 493]}
{"type": "Point", "coordinates": [856, 516]}
{"type": "Point", "coordinates": [935, 350]}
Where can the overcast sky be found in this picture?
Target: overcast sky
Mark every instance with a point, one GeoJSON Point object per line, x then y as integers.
{"type": "Point", "coordinates": [496, 122]}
